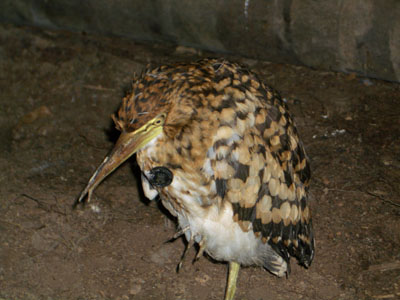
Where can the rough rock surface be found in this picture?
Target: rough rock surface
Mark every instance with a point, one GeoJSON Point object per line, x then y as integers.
{"type": "Point", "coordinates": [361, 36]}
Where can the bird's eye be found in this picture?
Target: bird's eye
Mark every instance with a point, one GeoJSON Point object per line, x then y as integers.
{"type": "Point", "coordinates": [158, 122]}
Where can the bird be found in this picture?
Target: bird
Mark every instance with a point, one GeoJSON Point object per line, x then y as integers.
{"type": "Point", "coordinates": [223, 154]}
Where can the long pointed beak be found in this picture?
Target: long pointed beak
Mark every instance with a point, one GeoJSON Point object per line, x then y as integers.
{"type": "Point", "coordinates": [128, 143]}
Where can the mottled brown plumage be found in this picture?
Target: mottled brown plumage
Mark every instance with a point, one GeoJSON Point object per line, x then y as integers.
{"type": "Point", "coordinates": [240, 172]}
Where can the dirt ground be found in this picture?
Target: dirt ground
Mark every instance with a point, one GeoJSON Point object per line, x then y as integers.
{"type": "Point", "coordinates": [58, 91]}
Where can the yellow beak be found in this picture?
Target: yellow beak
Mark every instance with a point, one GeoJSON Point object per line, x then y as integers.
{"type": "Point", "coordinates": [128, 143]}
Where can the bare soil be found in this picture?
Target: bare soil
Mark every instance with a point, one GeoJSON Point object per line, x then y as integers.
{"type": "Point", "coordinates": [58, 90]}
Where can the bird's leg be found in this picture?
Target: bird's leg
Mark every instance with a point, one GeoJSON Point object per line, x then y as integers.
{"type": "Point", "coordinates": [202, 247]}
{"type": "Point", "coordinates": [180, 232]}
{"type": "Point", "coordinates": [188, 245]}
{"type": "Point", "coordinates": [232, 278]}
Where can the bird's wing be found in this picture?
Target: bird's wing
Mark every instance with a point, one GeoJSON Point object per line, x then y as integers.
{"type": "Point", "coordinates": [261, 168]}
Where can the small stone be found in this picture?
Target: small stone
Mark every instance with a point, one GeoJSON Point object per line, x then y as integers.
{"type": "Point", "coordinates": [202, 279]}
{"type": "Point", "coordinates": [367, 82]}
{"type": "Point", "coordinates": [351, 76]}
{"type": "Point", "coordinates": [135, 289]}
{"type": "Point", "coordinates": [95, 208]}
{"type": "Point", "coordinates": [325, 180]}
{"type": "Point", "coordinates": [187, 50]}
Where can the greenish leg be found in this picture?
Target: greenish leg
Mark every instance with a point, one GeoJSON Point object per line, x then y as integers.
{"type": "Point", "coordinates": [232, 278]}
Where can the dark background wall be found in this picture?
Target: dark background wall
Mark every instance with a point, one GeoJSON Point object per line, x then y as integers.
{"type": "Point", "coordinates": [360, 36]}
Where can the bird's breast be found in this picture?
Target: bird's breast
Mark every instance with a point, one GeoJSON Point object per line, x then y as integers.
{"type": "Point", "coordinates": [193, 199]}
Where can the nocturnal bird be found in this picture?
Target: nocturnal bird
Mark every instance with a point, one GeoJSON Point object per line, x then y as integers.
{"type": "Point", "coordinates": [222, 152]}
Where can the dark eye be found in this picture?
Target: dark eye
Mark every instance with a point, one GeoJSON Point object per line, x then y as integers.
{"type": "Point", "coordinates": [158, 122]}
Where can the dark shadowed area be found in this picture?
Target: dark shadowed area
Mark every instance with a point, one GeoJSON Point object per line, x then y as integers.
{"type": "Point", "coordinates": [58, 91]}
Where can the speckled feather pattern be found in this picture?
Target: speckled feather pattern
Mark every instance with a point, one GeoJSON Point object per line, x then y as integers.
{"type": "Point", "coordinates": [239, 167]}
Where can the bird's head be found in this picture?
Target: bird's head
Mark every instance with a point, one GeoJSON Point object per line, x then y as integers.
{"type": "Point", "coordinates": [156, 105]}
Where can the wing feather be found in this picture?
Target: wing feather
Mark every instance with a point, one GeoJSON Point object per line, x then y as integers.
{"type": "Point", "coordinates": [272, 171]}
